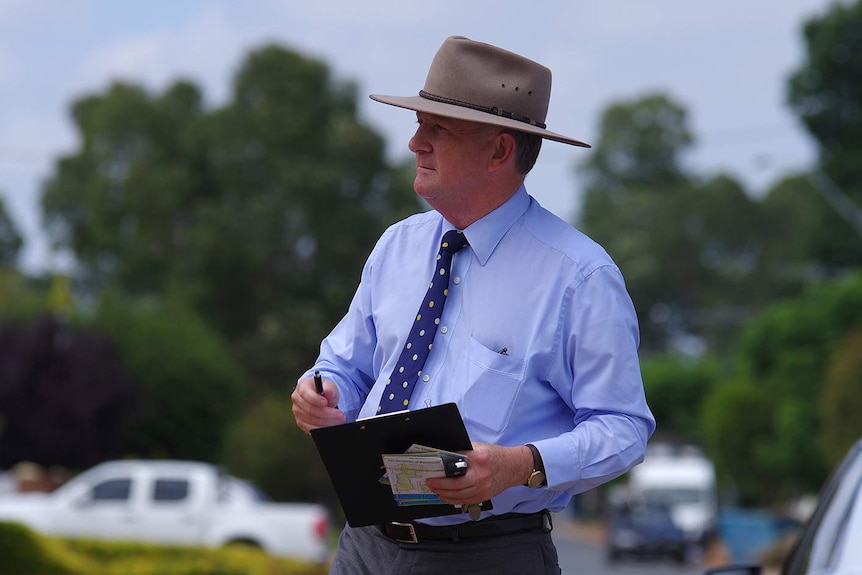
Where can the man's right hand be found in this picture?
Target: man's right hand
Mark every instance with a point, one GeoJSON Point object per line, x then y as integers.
{"type": "Point", "coordinates": [312, 410]}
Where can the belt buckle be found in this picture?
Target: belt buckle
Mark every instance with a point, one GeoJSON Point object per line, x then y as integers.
{"type": "Point", "coordinates": [410, 528]}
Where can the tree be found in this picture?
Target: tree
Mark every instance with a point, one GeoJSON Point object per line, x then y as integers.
{"type": "Point", "coordinates": [841, 399]}
{"type": "Point", "coordinates": [21, 298]}
{"type": "Point", "coordinates": [687, 246]}
{"type": "Point", "coordinates": [738, 435]}
{"type": "Point", "coordinates": [10, 239]}
{"type": "Point", "coordinates": [795, 215]}
{"type": "Point", "coordinates": [791, 394]}
{"type": "Point", "coordinates": [266, 446]}
{"type": "Point", "coordinates": [640, 142]}
{"type": "Point", "coordinates": [826, 93]}
{"type": "Point", "coordinates": [676, 388]}
{"type": "Point", "coordinates": [63, 394]}
{"type": "Point", "coordinates": [189, 386]}
{"type": "Point", "coordinates": [259, 213]}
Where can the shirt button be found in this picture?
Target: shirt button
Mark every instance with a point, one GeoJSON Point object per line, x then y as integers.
{"type": "Point", "coordinates": [457, 280]}
{"type": "Point", "coordinates": [444, 329]}
{"type": "Point", "coordinates": [426, 377]}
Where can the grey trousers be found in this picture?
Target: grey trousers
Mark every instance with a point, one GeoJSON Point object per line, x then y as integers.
{"type": "Point", "coordinates": [367, 551]}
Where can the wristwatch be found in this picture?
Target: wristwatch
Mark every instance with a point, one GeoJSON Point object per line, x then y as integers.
{"type": "Point", "coordinates": [537, 476]}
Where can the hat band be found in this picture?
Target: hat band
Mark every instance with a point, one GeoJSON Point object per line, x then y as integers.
{"type": "Point", "coordinates": [495, 110]}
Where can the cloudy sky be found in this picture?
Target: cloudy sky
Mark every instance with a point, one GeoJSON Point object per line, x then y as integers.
{"type": "Point", "coordinates": [727, 62]}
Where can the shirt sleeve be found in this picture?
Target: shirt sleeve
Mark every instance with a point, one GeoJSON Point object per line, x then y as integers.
{"type": "Point", "coordinates": [600, 371]}
{"type": "Point", "coordinates": [347, 353]}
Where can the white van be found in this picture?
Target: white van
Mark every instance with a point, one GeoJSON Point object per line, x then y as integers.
{"type": "Point", "coordinates": [684, 480]}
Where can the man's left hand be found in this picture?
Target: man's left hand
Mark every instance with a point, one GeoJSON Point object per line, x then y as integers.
{"type": "Point", "coordinates": [491, 469]}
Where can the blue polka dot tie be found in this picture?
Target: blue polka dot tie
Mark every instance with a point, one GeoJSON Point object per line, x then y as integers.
{"type": "Point", "coordinates": [396, 395]}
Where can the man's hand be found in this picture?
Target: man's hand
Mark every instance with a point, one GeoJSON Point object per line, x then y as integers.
{"type": "Point", "coordinates": [491, 469]}
{"type": "Point", "coordinates": [312, 410]}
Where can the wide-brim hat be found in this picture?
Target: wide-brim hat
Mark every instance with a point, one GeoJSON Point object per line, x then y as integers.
{"type": "Point", "coordinates": [482, 83]}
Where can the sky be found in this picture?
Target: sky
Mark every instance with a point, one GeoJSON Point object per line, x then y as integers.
{"type": "Point", "coordinates": [727, 62]}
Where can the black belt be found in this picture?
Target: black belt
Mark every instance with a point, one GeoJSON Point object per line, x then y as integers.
{"type": "Point", "coordinates": [414, 532]}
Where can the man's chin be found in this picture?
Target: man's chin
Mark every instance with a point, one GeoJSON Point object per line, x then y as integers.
{"type": "Point", "coordinates": [424, 192]}
{"type": "Point", "coordinates": [421, 186]}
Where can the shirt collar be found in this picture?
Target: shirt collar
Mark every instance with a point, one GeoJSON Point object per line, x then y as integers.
{"type": "Point", "coordinates": [484, 234]}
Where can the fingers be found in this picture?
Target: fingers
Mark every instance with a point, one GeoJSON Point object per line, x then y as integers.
{"type": "Point", "coordinates": [312, 410]}
{"type": "Point", "coordinates": [474, 486]}
{"type": "Point", "coordinates": [457, 490]}
{"type": "Point", "coordinates": [490, 471]}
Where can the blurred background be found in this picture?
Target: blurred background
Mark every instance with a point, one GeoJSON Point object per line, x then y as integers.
{"type": "Point", "coordinates": [188, 192]}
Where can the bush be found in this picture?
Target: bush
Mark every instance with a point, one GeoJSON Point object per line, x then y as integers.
{"type": "Point", "coordinates": [24, 553]}
{"type": "Point", "coordinates": [189, 384]}
{"type": "Point", "coordinates": [114, 558]}
{"type": "Point", "coordinates": [676, 388]}
{"type": "Point", "coordinates": [266, 446]}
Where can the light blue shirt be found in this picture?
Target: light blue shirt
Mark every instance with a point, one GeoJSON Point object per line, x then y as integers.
{"type": "Point", "coordinates": [568, 381]}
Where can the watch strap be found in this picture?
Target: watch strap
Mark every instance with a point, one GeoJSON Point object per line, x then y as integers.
{"type": "Point", "coordinates": [538, 464]}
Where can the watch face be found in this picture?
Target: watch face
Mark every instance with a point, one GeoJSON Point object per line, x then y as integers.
{"type": "Point", "coordinates": [537, 478]}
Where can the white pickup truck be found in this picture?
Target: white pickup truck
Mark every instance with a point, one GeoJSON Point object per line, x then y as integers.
{"type": "Point", "coordinates": [172, 502]}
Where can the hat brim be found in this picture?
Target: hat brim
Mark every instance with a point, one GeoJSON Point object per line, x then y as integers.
{"type": "Point", "coordinates": [420, 104]}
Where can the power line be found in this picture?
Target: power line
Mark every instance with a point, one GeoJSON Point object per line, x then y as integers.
{"type": "Point", "coordinates": [840, 201]}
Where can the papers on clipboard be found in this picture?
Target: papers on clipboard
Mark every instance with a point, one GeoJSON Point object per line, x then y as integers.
{"type": "Point", "coordinates": [406, 473]}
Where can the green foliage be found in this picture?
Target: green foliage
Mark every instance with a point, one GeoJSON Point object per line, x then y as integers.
{"type": "Point", "coordinates": [826, 94]}
{"type": "Point", "coordinates": [793, 339]}
{"type": "Point", "coordinates": [189, 385]}
{"type": "Point", "coordinates": [259, 213]}
{"type": "Point", "coordinates": [675, 389]}
{"type": "Point", "coordinates": [120, 558]}
{"type": "Point", "coordinates": [63, 394]}
{"type": "Point", "coordinates": [266, 446]}
{"type": "Point", "coordinates": [841, 400]}
{"type": "Point", "coordinates": [640, 142]}
{"type": "Point", "coordinates": [23, 552]}
{"type": "Point", "coordinates": [767, 430]}
{"type": "Point", "coordinates": [687, 246]}
{"type": "Point", "coordinates": [21, 298]}
{"type": "Point", "coordinates": [825, 91]}
{"type": "Point", "coordinates": [791, 250]}
{"type": "Point", "coordinates": [737, 431]}
{"type": "Point", "coordinates": [10, 238]}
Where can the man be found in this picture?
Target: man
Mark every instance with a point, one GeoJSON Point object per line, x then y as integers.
{"type": "Point", "coordinates": [537, 342]}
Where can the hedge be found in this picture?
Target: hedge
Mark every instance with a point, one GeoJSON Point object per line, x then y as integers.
{"type": "Point", "coordinates": [25, 552]}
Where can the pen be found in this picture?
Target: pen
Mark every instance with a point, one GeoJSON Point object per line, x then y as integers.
{"type": "Point", "coordinates": [318, 383]}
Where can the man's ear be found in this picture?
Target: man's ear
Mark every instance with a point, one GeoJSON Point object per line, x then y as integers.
{"type": "Point", "coordinates": [503, 151]}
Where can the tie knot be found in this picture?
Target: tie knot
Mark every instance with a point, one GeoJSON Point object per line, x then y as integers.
{"type": "Point", "coordinates": [453, 240]}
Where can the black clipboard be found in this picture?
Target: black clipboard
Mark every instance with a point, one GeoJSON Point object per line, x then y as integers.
{"type": "Point", "coordinates": [352, 452]}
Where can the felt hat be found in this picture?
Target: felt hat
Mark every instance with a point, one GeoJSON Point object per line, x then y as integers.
{"type": "Point", "coordinates": [478, 82]}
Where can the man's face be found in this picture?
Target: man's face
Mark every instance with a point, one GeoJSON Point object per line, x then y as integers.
{"type": "Point", "coordinates": [451, 157]}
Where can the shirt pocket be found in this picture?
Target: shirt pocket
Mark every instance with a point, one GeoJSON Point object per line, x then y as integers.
{"type": "Point", "coordinates": [493, 382]}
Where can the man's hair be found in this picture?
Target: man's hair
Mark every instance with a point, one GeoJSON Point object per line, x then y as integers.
{"type": "Point", "coordinates": [528, 146]}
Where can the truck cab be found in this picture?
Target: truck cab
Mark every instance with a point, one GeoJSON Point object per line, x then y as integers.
{"type": "Point", "coordinates": [684, 480]}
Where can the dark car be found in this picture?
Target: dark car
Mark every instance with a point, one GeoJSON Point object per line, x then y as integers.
{"type": "Point", "coordinates": [644, 531]}
{"type": "Point", "coordinates": [831, 540]}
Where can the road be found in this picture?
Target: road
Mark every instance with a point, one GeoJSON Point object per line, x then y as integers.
{"type": "Point", "coordinates": [582, 553]}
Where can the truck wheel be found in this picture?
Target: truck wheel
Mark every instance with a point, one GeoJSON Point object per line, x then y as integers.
{"type": "Point", "coordinates": [243, 544]}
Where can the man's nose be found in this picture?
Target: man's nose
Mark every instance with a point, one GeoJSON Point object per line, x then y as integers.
{"type": "Point", "coordinates": [418, 142]}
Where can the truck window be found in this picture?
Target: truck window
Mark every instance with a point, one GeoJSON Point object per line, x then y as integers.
{"type": "Point", "coordinates": [170, 489]}
{"type": "Point", "coordinates": [112, 490]}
